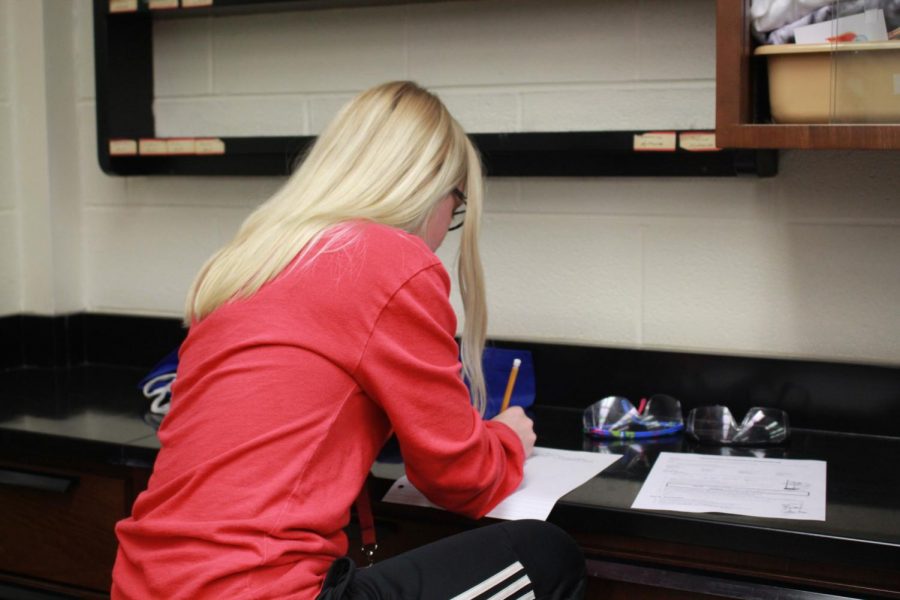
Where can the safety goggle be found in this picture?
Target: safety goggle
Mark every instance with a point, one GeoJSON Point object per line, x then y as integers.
{"type": "Point", "coordinates": [617, 417]}
{"type": "Point", "coordinates": [716, 425]}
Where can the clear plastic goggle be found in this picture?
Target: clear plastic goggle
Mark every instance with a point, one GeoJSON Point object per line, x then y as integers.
{"type": "Point", "coordinates": [716, 425]}
{"type": "Point", "coordinates": [617, 417]}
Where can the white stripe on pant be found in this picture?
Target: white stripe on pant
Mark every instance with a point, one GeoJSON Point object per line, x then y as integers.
{"type": "Point", "coordinates": [492, 581]}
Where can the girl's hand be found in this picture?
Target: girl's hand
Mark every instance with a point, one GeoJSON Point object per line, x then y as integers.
{"type": "Point", "coordinates": [516, 419]}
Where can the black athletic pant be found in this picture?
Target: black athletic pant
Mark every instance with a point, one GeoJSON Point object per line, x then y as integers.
{"type": "Point", "coordinates": [514, 559]}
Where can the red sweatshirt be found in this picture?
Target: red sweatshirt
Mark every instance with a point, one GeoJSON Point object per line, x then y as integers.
{"type": "Point", "coordinates": [281, 404]}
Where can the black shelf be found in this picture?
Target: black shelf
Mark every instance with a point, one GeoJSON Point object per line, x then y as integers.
{"type": "Point", "coordinates": [123, 48]}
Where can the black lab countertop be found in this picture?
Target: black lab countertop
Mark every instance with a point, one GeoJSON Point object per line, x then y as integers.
{"type": "Point", "coordinates": [96, 413]}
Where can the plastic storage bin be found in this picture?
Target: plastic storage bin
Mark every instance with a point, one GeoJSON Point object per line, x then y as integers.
{"type": "Point", "coordinates": [855, 82]}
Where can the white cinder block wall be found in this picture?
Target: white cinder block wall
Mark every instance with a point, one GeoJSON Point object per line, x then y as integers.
{"type": "Point", "coordinates": [801, 265]}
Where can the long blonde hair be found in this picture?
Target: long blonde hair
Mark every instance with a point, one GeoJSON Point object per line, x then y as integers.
{"type": "Point", "coordinates": [388, 156]}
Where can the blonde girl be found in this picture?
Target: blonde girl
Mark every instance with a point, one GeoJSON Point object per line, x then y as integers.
{"type": "Point", "coordinates": [323, 328]}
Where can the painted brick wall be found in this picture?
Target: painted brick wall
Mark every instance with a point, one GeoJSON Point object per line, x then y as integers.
{"type": "Point", "coordinates": [501, 65]}
{"type": "Point", "coordinates": [804, 264]}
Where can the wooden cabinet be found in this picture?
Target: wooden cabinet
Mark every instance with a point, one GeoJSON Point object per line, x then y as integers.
{"type": "Point", "coordinates": [742, 101]}
{"type": "Point", "coordinates": [57, 531]}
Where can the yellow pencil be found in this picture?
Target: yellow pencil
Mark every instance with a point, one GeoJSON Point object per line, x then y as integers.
{"type": "Point", "coordinates": [510, 384]}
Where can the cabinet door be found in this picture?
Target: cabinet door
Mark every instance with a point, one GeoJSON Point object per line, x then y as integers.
{"type": "Point", "coordinates": [58, 525]}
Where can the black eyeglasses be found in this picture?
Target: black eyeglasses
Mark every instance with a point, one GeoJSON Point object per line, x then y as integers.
{"type": "Point", "coordinates": [459, 213]}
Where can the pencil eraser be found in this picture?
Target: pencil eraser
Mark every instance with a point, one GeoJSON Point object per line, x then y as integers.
{"type": "Point", "coordinates": [517, 362]}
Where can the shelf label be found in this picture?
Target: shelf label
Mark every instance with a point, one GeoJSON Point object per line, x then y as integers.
{"type": "Point", "coordinates": [162, 4]}
{"type": "Point", "coordinates": [209, 146]}
{"type": "Point", "coordinates": [698, 141]}
{"type": "Point", "coordinates": [195, 3]}
{"type": "Point", "coordinates": [655, 141]}
{"type": "Point", "coordinates": [152, 146]}
{"type": "Point", "coordinates": [122, 147]}
{"type": "Point", "coordinates": [180, 146]}
{"type": "Point", "coordinates": [118, 6]}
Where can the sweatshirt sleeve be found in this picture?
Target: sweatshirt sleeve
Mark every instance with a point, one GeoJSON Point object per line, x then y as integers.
{"type": "Point", "coordinates": [411, 368]}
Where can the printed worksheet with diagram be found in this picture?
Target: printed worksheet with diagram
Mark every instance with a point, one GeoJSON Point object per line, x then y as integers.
{"type": "Point", "coordinates": [758, 487]}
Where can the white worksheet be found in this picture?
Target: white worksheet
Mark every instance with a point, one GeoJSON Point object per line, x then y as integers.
{"type": "Point", "coordinates": [549, 475]}
{"type": "Point", "coordinates": [760, 487]}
